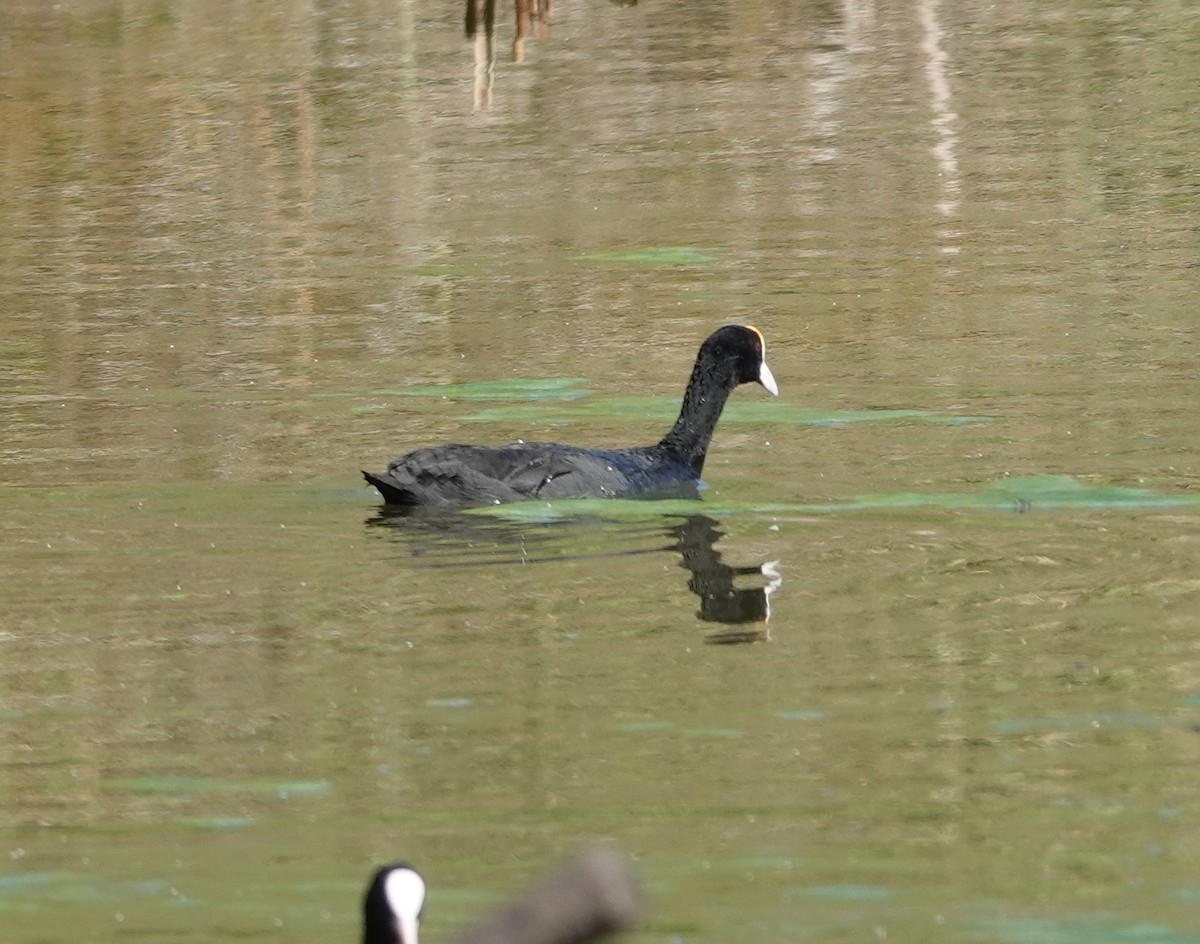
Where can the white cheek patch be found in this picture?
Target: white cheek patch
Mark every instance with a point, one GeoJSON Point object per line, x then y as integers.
{"type": "Point", "coordinates": [404, 890]}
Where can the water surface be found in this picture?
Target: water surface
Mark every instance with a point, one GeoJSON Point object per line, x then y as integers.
{"type": "Point", "coordinates": [921, 663]}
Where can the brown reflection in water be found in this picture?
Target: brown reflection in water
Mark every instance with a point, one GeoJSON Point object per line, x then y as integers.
{"type": "Point", "coordinates": [480, 25]}
{"type": "Point", "coordinates": [530, 14]}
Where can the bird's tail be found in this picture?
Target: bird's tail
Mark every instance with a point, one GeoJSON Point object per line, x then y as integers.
{"type": "Point", "coordinates": [391, 491]}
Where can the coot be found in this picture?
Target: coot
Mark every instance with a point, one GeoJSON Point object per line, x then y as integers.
{"type": "Point", "coordinates": [393, 904]}
{"type": "Point", "coordinates": [586, 898]}
{"type": "Point", "coordinates": [483, 475]}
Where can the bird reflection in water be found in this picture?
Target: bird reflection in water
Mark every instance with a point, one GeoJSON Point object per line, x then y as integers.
{"type": "Point", "coordinates": [452, 539]}
{"type": "Point", "coordinates": [713, 581]}
{"type": "Point", "coordinates": [480, 25]}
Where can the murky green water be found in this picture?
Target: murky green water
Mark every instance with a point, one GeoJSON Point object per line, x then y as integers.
{"type": "Point", "coordinates": [923, 664]}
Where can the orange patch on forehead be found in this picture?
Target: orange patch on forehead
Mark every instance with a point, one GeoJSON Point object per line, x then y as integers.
{"type": "Point", "coordinates": [761, 339]}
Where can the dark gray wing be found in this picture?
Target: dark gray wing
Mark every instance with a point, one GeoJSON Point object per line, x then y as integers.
{"type": "Point", "coordinates": [547, 470]}
{"type": "Point", "coordinates": [482, 475]}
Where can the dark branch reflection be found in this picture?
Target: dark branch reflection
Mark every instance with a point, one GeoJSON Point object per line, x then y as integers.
{"type": "Point", "coordinates": [458, 540]}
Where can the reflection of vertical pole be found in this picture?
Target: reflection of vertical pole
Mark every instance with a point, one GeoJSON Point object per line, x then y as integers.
{"type": "Point", "coordinates": [943, 115]}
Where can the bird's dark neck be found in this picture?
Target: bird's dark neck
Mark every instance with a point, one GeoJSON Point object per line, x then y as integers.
{"type": "Point", "coordinates": [703, 402]}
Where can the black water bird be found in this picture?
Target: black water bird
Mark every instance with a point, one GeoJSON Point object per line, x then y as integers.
{"type": "Point", "coordinates": [459, 475]}
{"type": "Point", "coordinates": [586, 898]}
{"type": "Point", "coordinates": [393, 904]}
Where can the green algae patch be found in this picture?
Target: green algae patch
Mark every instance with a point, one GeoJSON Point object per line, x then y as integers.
{"type": "Point", "coordinates": [651, 256]}
{"type": "Point", "coordinates": [1025, 494]}
{"type": "Point", "coordinates": [170, 784]}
